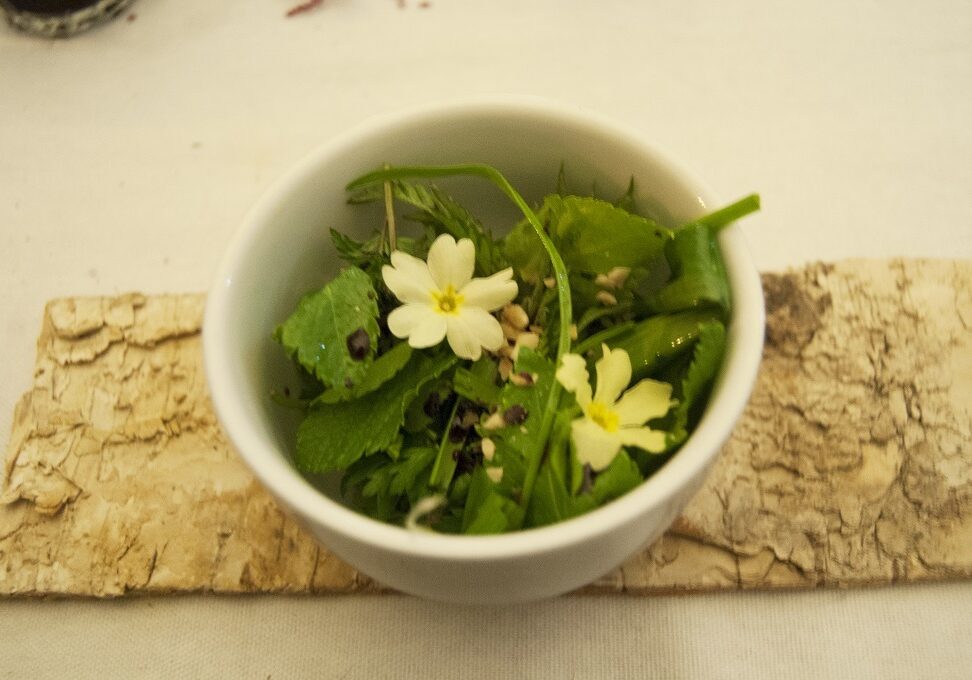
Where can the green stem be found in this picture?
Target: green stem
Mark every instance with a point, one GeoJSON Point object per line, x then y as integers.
{"type": "Point", "coordinates": [560, 275]}
{"type": "Point", "coordinates": [445, 464]}
{"type": "Point", "coordinates": [723, 217]}
{"type": "Point", "coordinates": [593, 342]}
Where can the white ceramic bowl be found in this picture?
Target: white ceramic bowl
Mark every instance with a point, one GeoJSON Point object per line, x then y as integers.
{"type": "Point", "coordinates": [283, 250]}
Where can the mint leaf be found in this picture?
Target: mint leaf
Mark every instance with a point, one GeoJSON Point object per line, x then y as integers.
{"type": "Point", "coordinates": [316, 335]}
{"type": "Point", "coordinates": [333, 436]}
{"type": "Point", "coordinates": [379, 372]}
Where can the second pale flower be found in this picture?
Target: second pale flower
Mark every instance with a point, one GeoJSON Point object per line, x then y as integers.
{"type": "Point", "coordinates": [443, 300]}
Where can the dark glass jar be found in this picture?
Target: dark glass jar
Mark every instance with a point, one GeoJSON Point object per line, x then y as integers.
{"type": "Point", "coordinates": [60, 18]}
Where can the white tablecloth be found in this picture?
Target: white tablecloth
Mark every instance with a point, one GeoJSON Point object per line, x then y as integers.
{"type": "Point", "coordinates": [128, 156]}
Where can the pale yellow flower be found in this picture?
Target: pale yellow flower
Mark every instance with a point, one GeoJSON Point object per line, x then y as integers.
{"type": "Point", "coordinates": [442, 299]}
{"type": "Point", "coordinates": [608, 422]}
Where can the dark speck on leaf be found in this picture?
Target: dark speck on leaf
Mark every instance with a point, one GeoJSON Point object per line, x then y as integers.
{"type": "Point", "coordinates": [587, 481]}
{"type": "Point", "coordinates": [432, 404]}
{"type": "Point", "coordinates": [348, 383]}
{"type": "Point", "coordinates": [467, 459]}
{"type": "Point", "coordinates": [457, 432]}
{"type": "Point", "coordinates": [515, 415]}
{"type": "Point", "coordinates": [358, 344]}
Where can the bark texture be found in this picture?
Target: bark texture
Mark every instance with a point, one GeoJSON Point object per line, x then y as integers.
{"type": "Point", "coordinates": [852, 464]}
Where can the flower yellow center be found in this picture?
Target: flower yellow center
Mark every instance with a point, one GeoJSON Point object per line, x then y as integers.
{"type": "Point", "coordinates": [447, 301]}
{"type": "Point", "coordinates": [603, 415]}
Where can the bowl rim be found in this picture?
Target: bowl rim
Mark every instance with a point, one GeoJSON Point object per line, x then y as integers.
{"type": "Point", "coordinates": [700, 450]}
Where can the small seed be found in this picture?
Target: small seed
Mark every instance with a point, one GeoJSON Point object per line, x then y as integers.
{"type": "Point", "coordinates": [606, 298]}
{"type": "Point", "coordinates": [550, 282]}
{"type": "Point", "coordinates": [618, 275]}
{"type": "Point", "coordinates": [509, 332]}
{"type": "Point", "coordinates": [505, 368]}
{"type": "Point", "coordinates": [516, 316]}
{"type": "Point", "coordinates": [573, 331]}
{"type": "Point", "coordinates": [522, 379]}
{"type": "Point", "coordinates": [495, 473]}
{"type": "Point", "coordinates": [488, 447]}
{"type": "Point", "coordinates": [494, 422]}
{"type": "Point", "coordinates": [603, 281]}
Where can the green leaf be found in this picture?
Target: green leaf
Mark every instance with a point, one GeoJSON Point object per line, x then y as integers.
{"type": "Point", "coordinates": [699, 274]}
{"type": "Point", "coordinates": [552, 499]}
{"type": "Point", "coordinates": [379, 372]}
{"type": "Point", "coordinates": [616, 479]}
{"type": "Point", "coordinates": [524, 251]}
{"type": "Point", "coordinates": [594, 236]}
{"type": "Point", "coordinates": [487, 511]}
{"type": "Point", "coordinates": [360, 254]}
{"type": "Point", "coordinates": [478, 382]}
{"type": "Point", "coordinates": [383, 488]}
{"type": "Point", "coordinates": [333, 436]}
{"type": "Point", "coordinates": [552, 502]}
{"type": "Point", "coordinates": [706, 360]}
{"type": "Point", "coordinates": [652, 343]}
{"type": "Point", "coordinates": [316, 334]}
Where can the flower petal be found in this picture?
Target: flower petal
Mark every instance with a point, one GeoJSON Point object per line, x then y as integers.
{"type": "Point", "coordinates": [646, 400]}
{"type": "Point", "coordinates": [491, 292]}
{"type": "Point", "coordinates": [643, 438]}
{"type": "Point", "coordinates": [419, 323]}
{"type": "Point", "coordinates": [572, 374]}
{"type": "Point", "coordinates": [593, 444]}
{"type": "Point", "coordinates": [613, 374]}
{"type": "Point", "coordinates": [451, 263]}
{"type": "Point", "coordinates": [471, 330]}
{"type": "Point", "coordinates": [408, 278]}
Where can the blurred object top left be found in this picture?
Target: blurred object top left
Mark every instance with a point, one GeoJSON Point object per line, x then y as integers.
{"type": "Point", "coordinates": [60, 18]}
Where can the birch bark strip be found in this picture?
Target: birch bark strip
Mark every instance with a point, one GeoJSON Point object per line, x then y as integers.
{"type": "Point", "coordinates": [851, 466]}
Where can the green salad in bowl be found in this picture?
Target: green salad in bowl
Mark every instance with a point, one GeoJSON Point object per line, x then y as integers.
{"type": "Point", "coordinates": [467, 383]}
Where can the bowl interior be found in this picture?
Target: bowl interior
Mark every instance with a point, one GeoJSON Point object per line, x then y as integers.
{"type": "Point", "coordinates": [284, 249]}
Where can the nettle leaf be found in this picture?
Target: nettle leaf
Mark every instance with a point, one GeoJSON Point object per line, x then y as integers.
{"type": "Point", "coordinates": [362, 254]}
{"type": "Point", "coordinates": [706, 360]}
{"type": "Point", "coordinates": [333, 436]}
{"type": "Point", "coordinates": [445, 215]}
{"type": "Point", "coordinates": [699, 274]}
{"type": "Point", "coordinates": [379, 372]}
{"type": "Point", "coordinates": [316, 334]}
